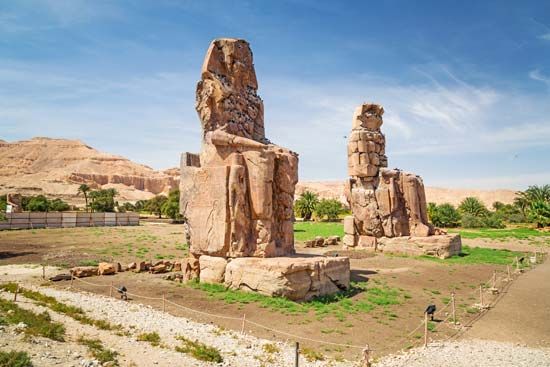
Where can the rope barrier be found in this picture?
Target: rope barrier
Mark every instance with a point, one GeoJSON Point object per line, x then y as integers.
{"type": "Point", "coordinates": [304, 338]}
{"type": "Point", "coordinates": [485, 285]}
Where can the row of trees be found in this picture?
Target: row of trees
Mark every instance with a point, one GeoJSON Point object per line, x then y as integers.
{"type": "Point", "coordinates": [308, 204]}
{"type": "Point", "coordinates": [160, 205]}
{"type": "Point", "coordinates": [530, 206]}
{"type": "Point", "coordinates": [38, 203]}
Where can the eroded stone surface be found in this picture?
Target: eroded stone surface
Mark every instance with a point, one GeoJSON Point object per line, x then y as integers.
{"type": "Point", "coordinates": [294, 278]}
{"type": "Point", "coordinates": [385, 202]}
{"type": "Point", "coordinates": [442, 246]}
{"type": "Point", "coordinates": [237, 194]}
{"type": "Point", "coordinates": [212, 269]}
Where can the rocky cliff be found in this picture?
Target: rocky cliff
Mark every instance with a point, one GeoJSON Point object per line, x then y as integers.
{"type": "Point", "coordinates": [56, 167]}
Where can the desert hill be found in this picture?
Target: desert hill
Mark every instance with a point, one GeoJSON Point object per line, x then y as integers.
{"type": "Point", "coordinates": [56, 167]}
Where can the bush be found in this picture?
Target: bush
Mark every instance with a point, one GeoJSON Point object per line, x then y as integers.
{"type": "Point", "coordinates": [329, 209]}
{"type": "Point", "coordinates": [444, 215]}
{"type": "Point", "coordinates": [539, 213]}
{"type": "Point", "coordinates": [103, 200]}
{"type": "Point", "coordinates": [58, 205]}
{"type": "Point", "coordinates": [38, 204]}
{"type": "Point", "coordinates": [15, 359]}
{"type": "Point", "coordinates": [171, 208]}
{"type": "Point", "coordinates": [199, 350]}
{"type": "Point", "coordinates": [471, 221]}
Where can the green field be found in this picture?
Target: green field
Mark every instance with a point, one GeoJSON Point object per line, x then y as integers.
{"type": "Point", "coordinates": [516, 233]}
{"type": "Point", "coordinates": [478, 255]}
{"type": "Point", "coordinates": [304, 231]}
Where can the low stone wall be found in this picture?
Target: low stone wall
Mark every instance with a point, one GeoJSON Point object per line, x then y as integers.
{"type": "Point", "coordinates": [32, 220]}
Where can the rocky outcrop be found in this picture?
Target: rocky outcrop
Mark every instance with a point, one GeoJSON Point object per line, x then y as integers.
{"type": "Point", "coordinates": [155, 185]}
{"type": "Point", "coordinates": [237, 194]}
{"type": "Point", "coordinates": [293, 278]}
{"type": "Point", "coordinates": [56, 167]}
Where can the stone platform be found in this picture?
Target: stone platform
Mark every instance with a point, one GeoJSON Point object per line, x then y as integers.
{"type": "Point", "coordinates": [295, 278]}
{"type": "Point", "coordinates": [442, 246]}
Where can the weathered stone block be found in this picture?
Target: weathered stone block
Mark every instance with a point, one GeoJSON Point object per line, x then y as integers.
{"type": "Point", "coordinates": [107, 268]}
{"type": "Point", "coordinates": [442, 246]}
{"type": "Point", "coordinates": [349, 225]}
{"type": "Point", "coordinates": [84, 271]}
{"type": "Point", "coordinates": [294, 278]}
{"type": "Point", "coordinates": [212, 269]}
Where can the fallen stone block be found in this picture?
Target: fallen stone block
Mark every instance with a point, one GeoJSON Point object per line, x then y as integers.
{"type": "Point", "coordinates": [212, 269]}
{"type": "Point", "coordinates": [158, 269]}
{"type": "Point", "coordinates": [442, 246]}
{"type": "Point", "coordinates": [59, 277]}
{"type": "Point", "coordinates": [106, 268]}
{"type": "Point", "coordinates": [83, 271]}
{"type": "Point", "coordinates": [295, 278]}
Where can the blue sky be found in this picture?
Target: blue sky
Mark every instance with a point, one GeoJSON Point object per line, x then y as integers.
{"type": "Point", "coordinates": [465, 85]}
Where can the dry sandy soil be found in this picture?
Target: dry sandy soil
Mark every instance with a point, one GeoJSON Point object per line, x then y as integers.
{"type": "Point", "coordinates": [388, 329]}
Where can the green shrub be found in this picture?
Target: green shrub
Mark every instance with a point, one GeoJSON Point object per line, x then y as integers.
{"type": "Point", "coordinates": [471, 221]}
{"type": "Point", "coordinates": [152, 338]}
{"type": "Point", "coordinates": [199, 350]}
{"type": "Point", "coordinates": [329, 209]}
{"type": "Point", "coordinates": [15, 359]}
{"type": "Point", "coordinates": [37, 324]}
{"type": "Point", "coordinates": [98, 351]}
{"type": "Point", "coordinates": [444, 215]}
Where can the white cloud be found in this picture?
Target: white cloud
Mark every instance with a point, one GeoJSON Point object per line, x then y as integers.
{"type": "Point", "coordinates": [538, 76]}
{"type": "Point", "coordinates": [545, 37]}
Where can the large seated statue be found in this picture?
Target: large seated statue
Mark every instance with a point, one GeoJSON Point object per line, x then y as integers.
{"type": "Point", "coordinates": [386, 203]}
{"type": "Point", "coordinates": [237, 195]}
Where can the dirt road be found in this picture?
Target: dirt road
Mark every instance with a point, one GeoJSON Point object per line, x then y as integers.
{"type": "Point", "coordinates": [521, 316]}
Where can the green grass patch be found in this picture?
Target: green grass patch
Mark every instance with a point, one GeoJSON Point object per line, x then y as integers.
{"type": "Point", "coordinates": [431, 326]}
{"type": "Point", "coordinates": [478, 255]}
{"type": "Point", "coordinates": [98, 351]}
{"type": "Point", "coordinates": [38, 324]}
{"type": "Point", "coordinates": [15, 359]}
{"type": "Point", "coordinates": [72, 311]}
{"type": "Point", "coordinates": [88, 263]}
{"type": "Point", "coordinates": [516, 233]}
{"type": "Point", "coordinates": [152, 338]}
{"type": "Point", "coordinates": [360, 298]}
{"type": "Point", "coordinates": [271, 348]}
{"type": "Point", "coordinates": [199, 350]}
{"type": "Point", "coordinates": [304, 231]}
{"type": "Point", "coordinates": [311, 354]}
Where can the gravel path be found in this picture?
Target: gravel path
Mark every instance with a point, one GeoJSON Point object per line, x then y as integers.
{"type": "Point", "coordinates": [469, 353]}
{"type": "Point", "coordinates": [236, 349]}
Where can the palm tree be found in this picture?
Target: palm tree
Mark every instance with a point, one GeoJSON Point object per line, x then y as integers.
{"type": "Point", "coordinates": [84, 189]}
{"type": "Point", "coordinates": [472, 206]}
{"type": "Point", "coordinates": [306, 204]}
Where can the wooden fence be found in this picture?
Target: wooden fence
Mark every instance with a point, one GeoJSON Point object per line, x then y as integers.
{"type": "Point", "coordinates": [30, 220]}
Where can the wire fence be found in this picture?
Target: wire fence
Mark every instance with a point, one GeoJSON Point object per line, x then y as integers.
{"type": "Point", "coordinates": [497, 285]}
